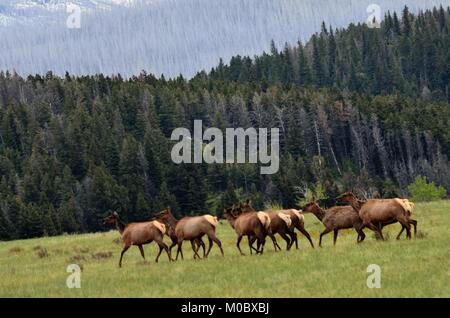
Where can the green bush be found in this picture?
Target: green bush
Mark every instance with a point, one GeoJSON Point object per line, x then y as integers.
{"type": "Point", "coordinates": [421, 190]}
{"type": "Point", "coordinates": [317, 193]}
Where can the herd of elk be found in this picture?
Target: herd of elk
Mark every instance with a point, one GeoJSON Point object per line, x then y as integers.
{"type": "Point", "coordinates": [256, 225]}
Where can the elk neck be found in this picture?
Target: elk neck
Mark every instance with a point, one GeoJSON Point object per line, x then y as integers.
{"type": "Point", "coordinates": [357, 204]}
{"type": "Point", "coordinates": [120, 225]}
{"type": "Point", "coordinates": [319, 213]}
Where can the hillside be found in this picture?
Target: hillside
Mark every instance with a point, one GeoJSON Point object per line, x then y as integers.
{"type": "Point", "coordinates": [72, 148]}
{"type": "Point", "coordinates": [416, 268]}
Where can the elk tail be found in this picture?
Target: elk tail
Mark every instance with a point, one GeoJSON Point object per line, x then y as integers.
{"type": "Point", "coordinates": [265, 219]}
{"type": "Point", "coordinates": [160, 226]}
{"type": "Point", "coordinates": [404, 203]}
{"type": "Point", "coordinates": [211, 219]}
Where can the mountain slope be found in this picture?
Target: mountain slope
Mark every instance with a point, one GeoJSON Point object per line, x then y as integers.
{"type": "Point", "coordinates": [165, 36]}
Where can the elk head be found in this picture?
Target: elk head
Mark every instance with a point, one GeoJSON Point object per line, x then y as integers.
{"type": "Point", "coordinates": [111, 218]}
{"type": "Point", "coordinates": [311, 207]}
{"type": "Point", "coordinates": [229, 213]}
{"type": "Point", "coordinates": [246, 207]}
{"type": "Point", "coordinates": [347, 197]}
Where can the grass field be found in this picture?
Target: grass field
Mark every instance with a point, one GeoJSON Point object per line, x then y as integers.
{"type": "Point", "coordinates": [416, 268]}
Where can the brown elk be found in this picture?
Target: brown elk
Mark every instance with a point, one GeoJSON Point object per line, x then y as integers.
{"type": "Point", "coordinates": [376, 213]}
{"type": "Point", "coordinates": [254, 225]}
{"type": "Point", "coordinates": [197, 243]}
{"type": "Point", "coordinates": [297, 222]}
{"type": "Point", "coordinates": [335, 219]}
{"type": "Point", "coordinates": [138, 234]}
{"type": "Point", "coordinates": [280, 223]}
{"type": "Point", "coordinates": [191, 228]}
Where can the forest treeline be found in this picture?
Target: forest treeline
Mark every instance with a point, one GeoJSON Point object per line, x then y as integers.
{"type": "Point", "coordinates": [408, 54]}
{"type": "Point", "coordinates": [73, 148]}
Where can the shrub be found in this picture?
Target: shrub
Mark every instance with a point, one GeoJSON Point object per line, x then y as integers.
{"type": "Point", "coordinates": [421, 190]}
{"type": "Point", "coordinates": [273, 205]}
{"type": "Point", "coordinates": [41, 253]}
{"type": "Point", "coordinates": [317, 193]}
{"type": "Point", "coordinates": [16, 250]}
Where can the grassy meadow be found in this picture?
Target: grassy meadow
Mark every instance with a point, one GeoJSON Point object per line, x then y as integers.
{"type": "Point", "coordinates": [416, 268]}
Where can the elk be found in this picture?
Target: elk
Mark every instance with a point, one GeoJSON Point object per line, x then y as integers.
{"type": "Point", "coordinates": [171, 234]}
{"type": "Point", "coordinates": [254, 225]}
{"type": "Point", "coordinates": [335, 219]}
{"type": "Point", "coordinates": [191, 228]}
{"type": "Point", "coordinates": [297, 222]}
{"type": "Point", "coordinates": [408, 207]}
{"type": "Point", "coordinates": [280, 223]}
{"type": "Point", "coordinates": [376, 213]}
{"type": "Point", "coordinates": [138, 234]}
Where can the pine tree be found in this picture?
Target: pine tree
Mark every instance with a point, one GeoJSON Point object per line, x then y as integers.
{"type": "Point", "coordinates": [304, 67]}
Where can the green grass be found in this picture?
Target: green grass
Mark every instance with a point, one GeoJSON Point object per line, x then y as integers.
{"type": "Point", "coordinates": [416, 268]}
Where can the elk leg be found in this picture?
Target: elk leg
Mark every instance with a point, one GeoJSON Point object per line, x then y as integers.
{"type": "Point", "coordinates": [238, 243]}
{"type": "Point", "coordinates": [407, 226]}
{"type": "Point", "coordinates": [293, 237]}
{"type": "Point", "coordinates": [306, 234]}
{"type": "Point", "coordinates": [262, 242]}
{"type": "Point", "coordinates": [209, 246]}
{"type": "Point", "coordinates": [380, 232]}
{"type": "Point", "coordinates": [179, 250]}
{"type": "Point", "coordinates": [251, 240]}
{"type": "Point", "coordinates": [327, 230]}
{"type": "Point", "coordinates": [162, 246]}
{"type": "Point", "coordinates": [376, 229]}
{"type": "Point", "coordinates": [361, 235]}
{"type": "Point", "coordinates": [288, 241]}
{"type": "Point", "coordinates": [414, 223]}
{"type": "Point", "coordinates": [336, 231]}
{"type": "Point", "coordinates": [121, 254]}
{"type": "Point", "coordinates": [212, 237]}
{"type": "Point", "coordinates": [174, 242]}
{"type": "Point", "coordinates": [274, 241]}
{"type": "Point", "coordinates": [141, 249]}
{"type": "Point", "coordinates": [401, 231]}
{"type": "Point", "coordinates": [194, 249]}
{"type": "Point", "coordinates": [202, 244]}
